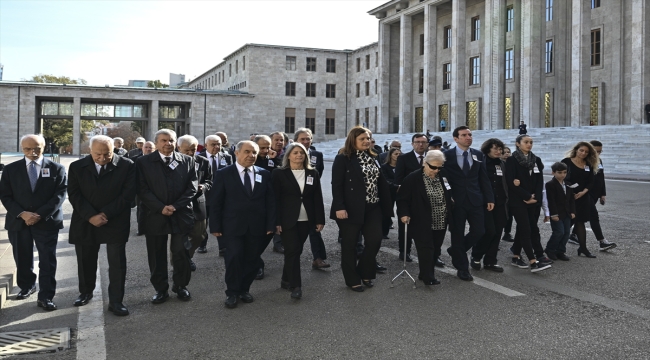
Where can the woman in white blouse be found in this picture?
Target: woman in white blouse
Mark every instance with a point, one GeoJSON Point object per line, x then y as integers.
{"type": "Point", "coordinates": [299, 208]}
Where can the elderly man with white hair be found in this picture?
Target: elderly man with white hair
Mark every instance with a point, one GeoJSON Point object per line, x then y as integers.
{"type": "Point", "coordinates": [119, 150]}
{"type": "Point", "coordinates": [33, 190]}
{"type": "Point", "coordinates": [101, 189]}
{"type": "Point", "coordinates": [187, 145]}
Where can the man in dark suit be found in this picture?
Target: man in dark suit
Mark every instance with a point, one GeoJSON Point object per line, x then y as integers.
{"type": "Point", "coordinates": [187, 145]}
{"type": "Point", "coordinates": [217, 159]}
{"type": "Point", "coordinates": [242, 209]}
{"type": "Point", "coordinates": [137, 152]}
{"type": "Point", "coordinates": [304, 136]}
{"type": "Point", "coordinates": [406, 164]}
{"type": "Point", "coordinates": [119, 150]}
{"type": "Point", "coordinates": [471, 190]}
{"type": "Point", "coordinates": [266, 158]}
{"type": "Point", "coordinates": [147, 149]}
{"type": "Point", "coordinates": [101, 189]}
{"type": "Point", "coordinates": [166, 184]}
{"type": "Point", "coordinates": [393, 144]}
{"type": "Point", "coordinates": [33, 190]}
{"type": "Point", "coordinates": [522, 128]}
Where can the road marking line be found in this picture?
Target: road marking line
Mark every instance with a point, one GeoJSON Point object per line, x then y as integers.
{"type": "Point", "coordinates": [477, 281]}
{"type": "Point", "coordinates": [91, 342]}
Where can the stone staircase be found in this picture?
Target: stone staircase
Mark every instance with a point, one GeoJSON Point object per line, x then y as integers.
{"type": "Point", "coordinates": [626, 148]}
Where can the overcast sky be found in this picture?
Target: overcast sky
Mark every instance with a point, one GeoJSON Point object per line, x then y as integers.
{"type": "Point", "coordinates": [111, 42]}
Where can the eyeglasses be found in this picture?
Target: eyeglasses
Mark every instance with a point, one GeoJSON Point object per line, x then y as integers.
{"type": "Point", "coordinates": [432, 167]}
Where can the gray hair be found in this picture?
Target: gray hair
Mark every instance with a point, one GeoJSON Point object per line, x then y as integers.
{"type": "Point", "coordinates": [285, 159]}
{"type": "Point", "coordinates": [39, 139]}
{"type": "Point", "coordinates": [302, 131]}
{"type": "Point", "coordinates": [434, 155]}
{"type": "Point", "coordinates": [170, 133]}
{"type": "Point", "coordinates": [102, 139]}
{"type": "Point", "coordinates": [191, 140]}
{"type": "Point", "coordinates": [262, 137]}
{"type": "Point", "coordinates": [211, 138]}
{"type": "Point", "coordinates": [118, 139]}
{"type": "Point", "coordinates": [241, 144]}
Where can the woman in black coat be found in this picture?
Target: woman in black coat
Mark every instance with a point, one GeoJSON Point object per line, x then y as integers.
{"type": "Point", "coordinates": [388, 170]}
{"type": "Point", "coordinates": [299, 204]}
{"type": "Point", "coordinates": [488, 246]}
{"type": "Point", "coordinates": [360, 199]}
{"type": "Point", "coordinates": [582, 162]}
{"type": "Point", "coordinates": [525, 184]}
{"type": "Point", "coordinates": [424, 202]}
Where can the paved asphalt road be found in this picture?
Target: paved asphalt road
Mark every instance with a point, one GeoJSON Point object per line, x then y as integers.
{"type": "Point", "coordinates": [581, 309]}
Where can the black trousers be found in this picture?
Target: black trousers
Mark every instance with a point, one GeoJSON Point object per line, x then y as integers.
{"type": "Point", "coordinates": [488, 245]}
{"type": "Point", "coordinates": [594, 221]}
{"type": "Point", "coordinates": [527, 236]}
{"type": "Point", "coordinates": [293, 240]}
{"type": "Point", "coordinates": [508, 227]}
{"type": "Point", "coordinates": [157, 254]}
{"type": "Point", "coordinates": [242, 258]}
{"type": "Point", "coordinates": [387, 222]}
{"type": "Point", "coordinates": [317, 244]}
{"type": "Point", "coordinates": [262, 247]}
{"type": "Point", "coordinates": [461, 242]}
{"type": "Point", "coordinates": [365, 268]}
{"type": "Point", "coordinates": [426, 253]}
{"type": "Point", "coordinates": [22, 243]}
{"type": "Point", "coordinates": [400, 238]}
{"type": "Point", "coordinates": [87, 255]}
{"type": "Point", "coordinates": [197, 236]}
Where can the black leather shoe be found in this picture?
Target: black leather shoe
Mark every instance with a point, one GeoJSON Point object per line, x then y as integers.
{"type": "Point", "coordinates": [551, 255]}
{"type": "Point", "coordinates": [368, 283]}
{"type": "Point", "coordinates": [381, 269]}
{"type": "Point", "coordinates": [260, 274]}
{"type": "Point", "coordinates": [465, 275]}
{"type": "Point", "coordinates": [231, 302]}
{"type": "Point", "coordinates": [160, 297]}
{"type": "Point", "coordinates": [246, 298]}
{"type": "Point", "coordinates": [358, 288]}
{"type": "Point", "coordinates": [192, 265]}
{"type": "Point", "coordinates": [476, 265]}
{"type": "Point", "coordinates": [181, 292]}
{"type": "Point", "coordinates": [495, 268]}
{"type": "Point", "coordinates": [439, 264]}
{"type": "Point", "coordinates": [118, 309]}
{"type": "Point", "coordinates": [562, 256]}
{"type": "Point", "coordinates": [278, 249]}
{"type": "Point", "coordinates": [285, 285]}
{"type": "Point", "coordinates": [24, 294]}
{"type": "Point", "coordinates": [83, 299]}
{"type": "Point", "coordinates": [296, 293]}
{"type": "Point", "coordinates": [434, 281]}
{"type": "Point", "coordinates": [47, 304]}
{"type": "Point", "coordinates": [585, 252]}
{"type": "Point", "coordinates": [202, 250]}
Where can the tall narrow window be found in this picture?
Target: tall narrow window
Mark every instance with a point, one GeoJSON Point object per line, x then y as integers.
{"type": "Point", "coordinates": [549, 57]}
{"type": "Point", "coordinates": [236, 66]}
{"type": "Point", "coordinates": [367, 88]}
{"type": "Point", "coordinates": [310, 90]}
{"type": "Point", "coordinates": [446, 33]}
{"type": "Point", "coordinates": [367, 62]}
{"type": "Point", "coordinates": [311, 64]}
{"type": "Point", "coordinates": [291, 63]}
{"type": "Point", "coordinates": [243, 63]}
{"type": "Point", "coordinates": [375, 86]}
{"type": "Point", "coordinates": [310, 120]}
{"type": "Point", "coordinates": [595, 47]}
{"type": "Point", "coordinates": [356, 117]}
{"type": "Point", "coordinates": [549, 10]}
{"type": "Point", "coordinates": [510, 15]}
{"type": "Point", "coordinates": [367, 116]}
{"type": "Point", "coordinates": [474, 70]}
{"type": "Point", "coordinates": [510, 64]}
{"type": "Point", "coordinates": [330, 91]}
{"type": "Point", "coordinates": [331, 66]}
{"type": "Point", "coordinates": [358, 64]}
{"type": "Point", "coordinates": [289, 120]}
{"type": "Point", "coordinates": [229, 70]}
{"type": "Point", "coordinates": [446, 76]}
{"type": "Point", "coordinates": [476, 28]}
{"type": "Point", "coordinates": [421, 44]}
{"type": "Point", "coordinates": [290, 89]}
{"type": "Point", "coordinates": [595, 4]}
{"type": "Point", "coordinates": [421, 81]}
{"type": "Point", "coordinates": [330, 118]}
{"type": "Point", "coordinates": [376, 58]}
{"type": "Point", "coordinates": [358, 88]}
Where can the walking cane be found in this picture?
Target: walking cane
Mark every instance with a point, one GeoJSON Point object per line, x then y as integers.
{"type": "Point", "coordinates": [404, 272]}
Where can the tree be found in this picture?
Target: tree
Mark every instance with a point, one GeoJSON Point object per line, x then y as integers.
{"type": "Point", "coordinates": [123, 130]}
{"type": "Point", "coordinates": [156, 84]}
{"type": "Point", "coordinates": [51, 79]}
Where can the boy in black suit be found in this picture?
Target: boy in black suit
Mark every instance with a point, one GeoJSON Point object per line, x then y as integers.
{"type": "Point", "coordinates": [562, 208]}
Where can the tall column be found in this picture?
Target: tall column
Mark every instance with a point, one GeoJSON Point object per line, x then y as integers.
{"type": "Point", "coordinates": [495, 85]}
{"type": "Point", "coordinates": [458, 111]}
{"type": "Point", "coordinates": [532, 44]}
{"type": "Point", "coordinates": [405, 74]}
{"type": "Point", "coordinates": [580, 62]}
{"type": "Point", "coordinates": [430, 119]}
{"type": "Point", "coordinates": [76, 126]}
{"type": "Point", "coordinates": [153, 119]}
{"type": "Point", "coordinates": [384, 78]}
{"type": "Point", "coordinates": [637, 31]}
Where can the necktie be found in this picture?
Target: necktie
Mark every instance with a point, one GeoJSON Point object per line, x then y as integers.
{"type": "Point", "coordinates": [214, 163]}
{"type": "Point", "coordinates": [465, 163]}
{"type": "Point", "coordinates": [168, 159]}
{"type": "Point", "coordinates": [33, 175]}
{"type": "Point", "coordinates": [421, 159]}
{"type": "Point", "coordinates": [101, 170]}
{"type": "Point", "coordinates": [247, 182]}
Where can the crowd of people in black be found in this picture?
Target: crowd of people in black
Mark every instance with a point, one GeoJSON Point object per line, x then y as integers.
{"type": "Point", "coordinates": [268, 189]}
